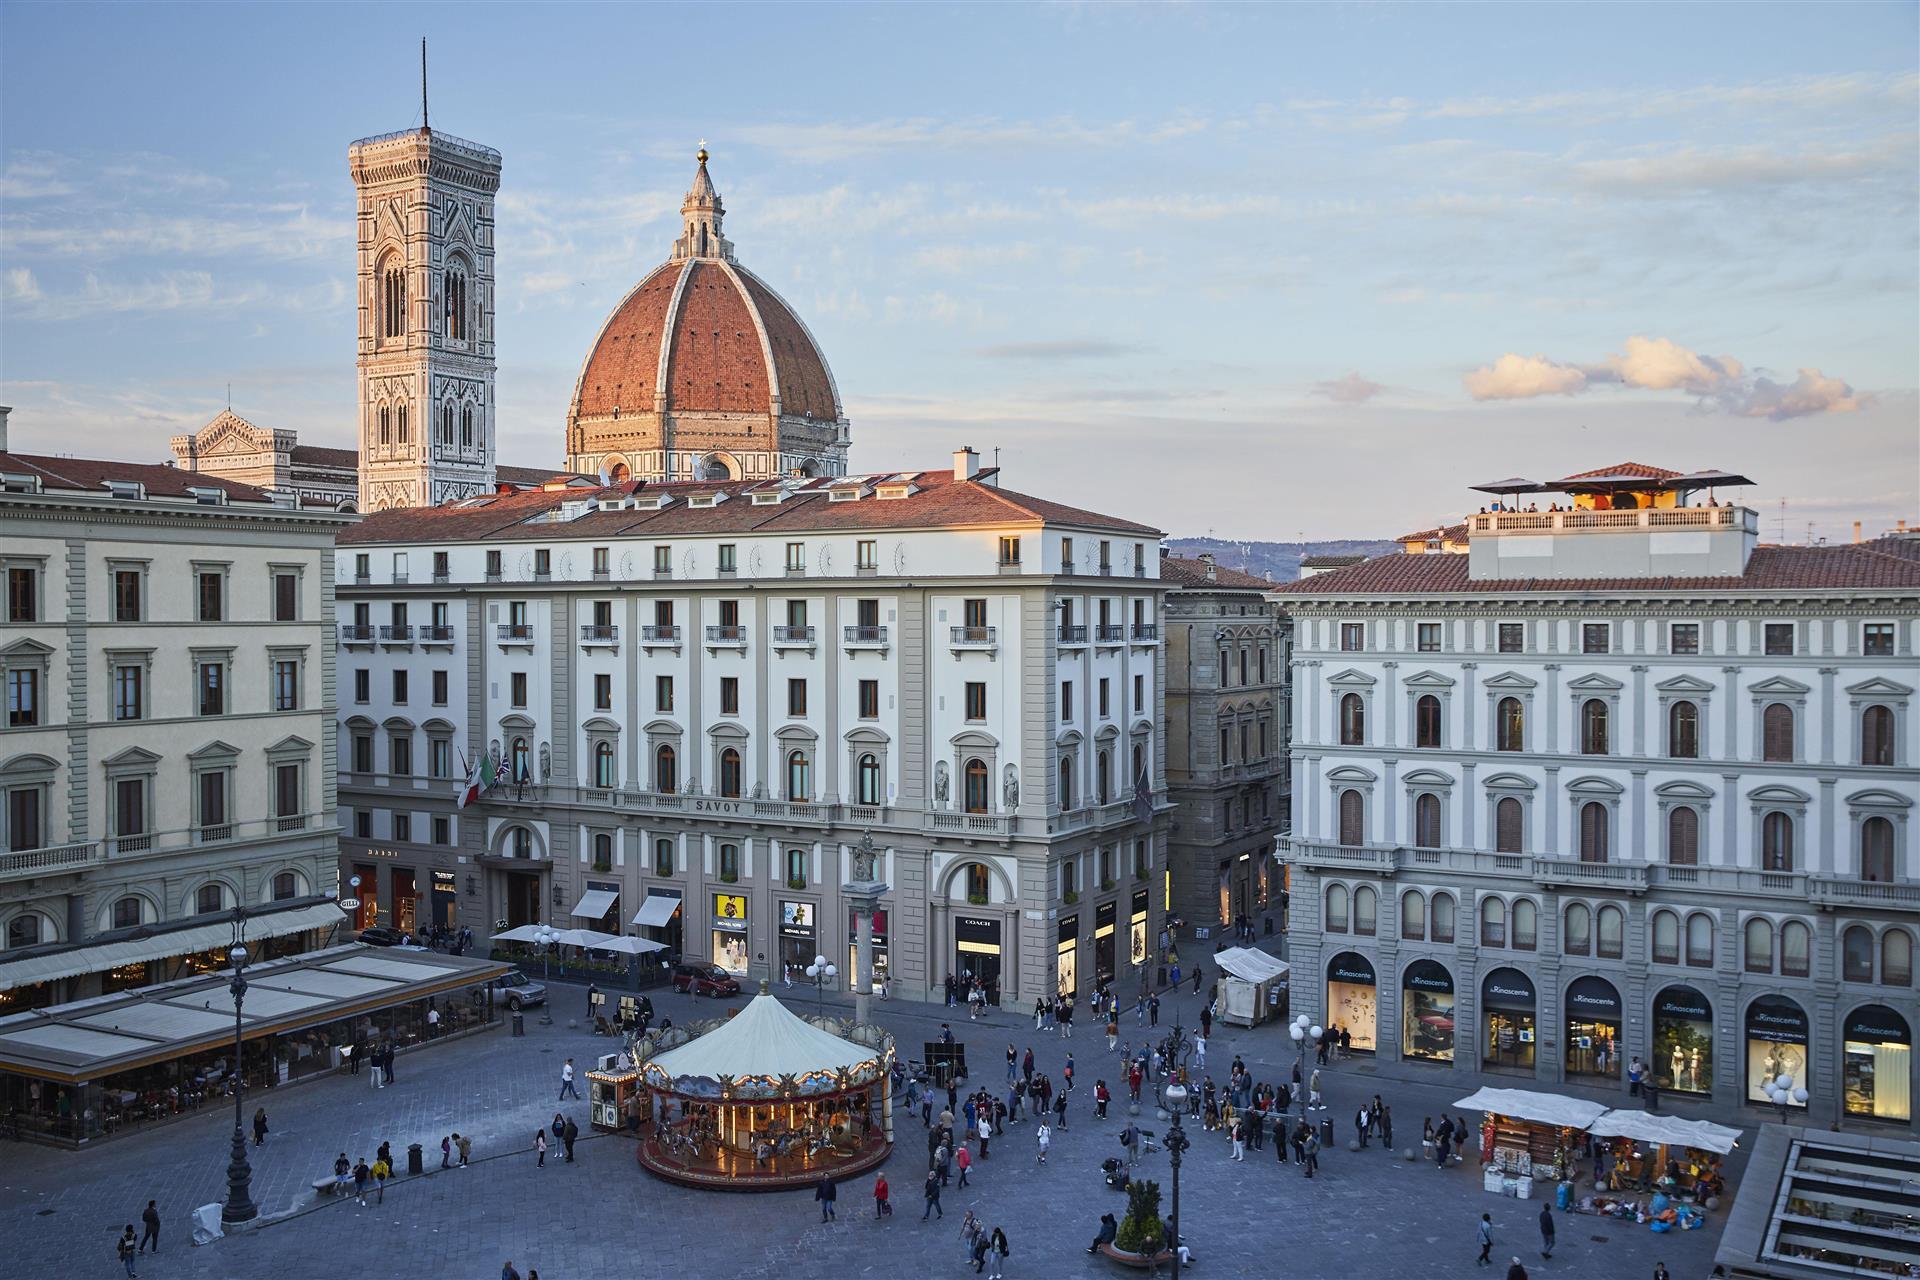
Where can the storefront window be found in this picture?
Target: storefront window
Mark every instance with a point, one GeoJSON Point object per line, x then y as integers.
{"type": "Point", "coordinates": [1104, 919]}
{"type": "Point", "coordinates": [446, 896]}
{"type": "Point", "coordinates": [730, 932]}
{"type": "Point", "coordinates": [1066, 965]}
{"type": "Point", "coordinates": [406, 900]}
{"type": "Point", "coordinates": [1776, 1045]}
{"type": "Point", "coordinates": [1137, 931]}
{"type": "Point", "coordinates": [1506, 1010]}
{"type": "Point", "coordinates": [976, 944]}
{"type": "Point", "coordinates": [797, 939]}
{"type": "Point", "coordinates": [879, 946]}
{"type": "Point", "coordinates": [1683, 1041]}
{"type": "Point", "coordinates": [1353, 1004]}
{"type": "Point", "coordinates": [1877, 1064]}
{"type": "Point", "coordinates": [1426, 997]}
{"type": "Point", "coordinates": [1593, 1028]}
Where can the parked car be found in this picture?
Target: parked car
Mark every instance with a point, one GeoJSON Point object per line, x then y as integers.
{"type": "Point", "coordinates": [381, 936]}
{"type": "Point", "coordinates": [704, 980]}
{"type": "Point", "coordinates": [518, 990]}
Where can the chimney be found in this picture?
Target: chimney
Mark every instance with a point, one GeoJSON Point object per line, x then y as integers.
{"type": "Point", "coordinates": [1213, 570]}
{"type": "Point", "coordinates": [966, 463]}
{"type": "Point", "coordinates": [5, 409]}
{"type": "Point", "coordinates": [1856, 531]}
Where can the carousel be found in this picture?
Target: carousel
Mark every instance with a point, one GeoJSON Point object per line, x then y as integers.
{"type": "Point", "coordinates": [765, 1099]}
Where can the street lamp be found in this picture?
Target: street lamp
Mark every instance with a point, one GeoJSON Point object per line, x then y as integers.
{"type": "Point", "coordinates": [820, 971]}
{"type": "Point", "coordinates": [1304, 1033]}
{"type": "Point", "coordinates": [239, 1206]}
{"type": "Point", "coordinates": [1176, 1140]}
{"type": "Point", "coordinates": [1782, 1093]}
{"type": "Point", "coordinates": [545, 936]}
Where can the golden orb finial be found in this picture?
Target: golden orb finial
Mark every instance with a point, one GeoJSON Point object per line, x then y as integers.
{"type": "Point", "coordinates": [703, 153]}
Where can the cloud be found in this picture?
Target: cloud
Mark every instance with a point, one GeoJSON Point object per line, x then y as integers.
{"type": "Point", "coordinates": [838, 139]}
{"type": "Point", "coordinates": [1352, 389]}
{"type": "Point", "coordinates": [18, 285]}
{"type": "Point", "coordinates": [1721, 168]}
{"type": "Point", "coordinates": [1060, 349]}
{"type": "Point", "coordinates": [965, 259]}
{"type": "Point", "coordinates": [1719, 383]}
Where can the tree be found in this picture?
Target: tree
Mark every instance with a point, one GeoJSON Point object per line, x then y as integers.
{"type": "Point", "coordinates": [1140, 1231]}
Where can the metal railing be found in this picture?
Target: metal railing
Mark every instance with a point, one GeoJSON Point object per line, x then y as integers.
{"type": "Point", "coordinates": [1498, 522]}
{"type": "Point", "coordinates": [356, 633]}
{"type": "Point", "coordinates": [1146, 631]}
{"type": "Point", "coordinates": [1073, 635]}
{"type": "Point", "coordinates": [727, 634]}
{"type": "Point", "coordinates": [599, 633]}
{"type": "Point", "coordinates": [975, 637]}
{"type": "Point", "coordinates": [1110, 633]}
{"type": "Point", "coordinates": [521, 632]}
{"type": "Point", "coordinates": [436, 635]}
{"type": "Point", "coordinates": [866, 635]}
{"type": "Point", "coordinates": [396, 633]}
{"type": "Point", "coordinates": [660, 633]}
{"type": "Point", "coordinates": [800, 634]}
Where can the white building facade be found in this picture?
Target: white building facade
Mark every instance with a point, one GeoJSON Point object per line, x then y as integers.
{"type": "Point", "coordinates": [1617, 783]}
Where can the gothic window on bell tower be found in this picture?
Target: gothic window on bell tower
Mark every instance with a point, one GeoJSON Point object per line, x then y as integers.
{"type": "Point", "coordinates": [446, 425]}
{"type": "Point", "coordinates": [457, 302]}
{"type": "Point", "coordinates": [386, 427]}
{"type": "Point", "coordinates": [393, 299]}
{"type": "Point", "coordinates": [400, 425]}
{"type": "Point", "coordinates": [466, 426]}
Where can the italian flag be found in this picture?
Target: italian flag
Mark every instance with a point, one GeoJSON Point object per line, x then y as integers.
{"type": "Point", "coordinates": [479, 778]}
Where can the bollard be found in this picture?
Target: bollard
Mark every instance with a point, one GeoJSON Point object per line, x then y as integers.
{"type": "Point", "coordinates": [519, 1023]}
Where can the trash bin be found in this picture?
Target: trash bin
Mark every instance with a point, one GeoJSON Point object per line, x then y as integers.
{"type": "Point", "coordinates": [519, 1023]}
{"type": "Point", "coordinates": [1326, 1134]}
{"type": "Point", "coordinates": [415, 1167]}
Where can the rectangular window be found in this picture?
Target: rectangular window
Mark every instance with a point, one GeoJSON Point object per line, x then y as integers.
{"type": "Point", "coordinates": [23, 594]}
{"type": "Point", "coordinates": [403, 827]}
{"type": "Point", "coordinates": [602, 692]}
{"type": "Point", "coordinates": [1513, 637]}
{"type": "Point", "coordinates": [286, 597]}
{"type": "Point", "coordinates": [1596, 637]}
{"type": "Point", "coordinates": [1428, 637]}
{"type": "Point", "coordinates": [362, 753]}
{"type": "Point", "coordinates": [1105, 710]}
{"type": "Point", "coordinates": [866, 554]}
{"type": "Point", "coordinates": [976, 700]}
{"type": "Point", "coordinates": [1066, 700]}
{"type": "Point", "coordinates": [23, 698]}
{"type": "Point", "coordinates": [796, 557]}
{"type": "Point", "coordinates": [796, 613]}
{"type": "Point", "coordinates": [796, 697]}
{"type": "Point", "coordinates": [869, 699]}
{"type": "Point", "coordinates": [663, 693]}
{"type": "Point", "coordinates": [1353, 637]}
{"type": "Point", "coordinates": [127, 592]}
{"type": "Point", "coordinates": [1876, 639]}
{"type": "Point", "coordinates": [493, 564]}
{"type": "Point", "coordinates": [286, 793]}
{"type": "Point", "coordinates": [542, 562]}
{"type": "Point", "coordinates": [1683, 637]}
{"type": "Point", "coordinates": [363, 565]}
{"type": "Point", "coordinates": [973, 614]}
{"type": "Point", "coordinates": [286, 684]}
{"type": "Point", "coordinates": [400, 688]}
{"type": "Point", "coordinates": [130, 808]}
{"type": "Point", "coordinates": [439, 688]}
{"type": "Point", "coordinates": [729, 695]}
{"type": "Point", "coordinates": [1066, 555]}
{"type": "Point", "coordinates": [730, 613]}
{"type": "Point", "coordinates": [363, 825]}
{"type": "Point", "coordinates": [400, 754]}
{"type": "Point", "coordinates": [442, 566]}
{"type": "Point", "coordinates": [129, 689]}
{"type": "Point", "coordinates": [662, 561]}
{"type": "Point", "coordinates": [728, 558]}
{"type": "Point", "coordinates": [517, 689]}
{"type": "Point", "coordinates": [1139, 694]}
{"type": "Point", "coordinates": [439, 758]}
{"type": "Point", "coordinates": [442, 830]}
{"type": "Point", "coordinates": [213, 689]}
{"type": "Point", "coordinates": [1106, 559]}
{"type": "Point", "coordinates": [1779, 639]}
{"type": "Point", "coordinates": [602, 561]}
{"type": "Point", "coordinates": [1009, 551]}
{"type": "Point", "coordinates": [362, 685]}
{"type": "Point", "coordinates": [211, 603]}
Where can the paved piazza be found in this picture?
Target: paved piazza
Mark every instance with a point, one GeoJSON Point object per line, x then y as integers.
{"type": "Point", "coordinates": [1366, 1215]}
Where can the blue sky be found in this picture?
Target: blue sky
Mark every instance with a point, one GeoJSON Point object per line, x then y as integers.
{"type": "Point", "coordinates": [1269, 271]}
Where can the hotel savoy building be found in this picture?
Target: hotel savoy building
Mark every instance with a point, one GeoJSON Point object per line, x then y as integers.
{"type": "Point", "coordinates": [1602, 778]}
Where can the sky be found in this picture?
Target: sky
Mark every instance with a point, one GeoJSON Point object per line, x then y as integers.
{"type": "Point", "coordinates": [1266, 272]}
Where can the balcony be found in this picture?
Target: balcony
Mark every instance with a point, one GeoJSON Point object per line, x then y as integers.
{"type": "Point", "coordinates": [356, 633]}
{"type": "Point", "coordinates": [727, 636]}
{"type": "Point", "coordinates": [599, 635]}
{"type": "Point", "coordinates": [975, 639]}
{"type": "Point", "coordinates": [661, 635]}
{"type": "Point", "coordinates": [1555, 873]}
{"type": "Point", "coordinates": [866, 638]}
{"type": "Point", "coordinates": [1146, 633]}
{"type": "Point", "coordinates": [976, 824]}
{"type": "Point", "coordinates": [436, 637]}
{"type": "Point", "coordinates": [1828, 892]}
{"type": "Point", "coordinates": [1375, 859]}
{"type": "Point", "coordinates": [27, 864]}
{"type": "Point", "coordinates": [793, 637]}
{"type": "Point", "coordinates": [516, 635]}
{"type": "Point", "coordinates": [1110, 633]}
{"type": "Point", "coordinates": [1073, 635]}
{"type": "Point", "coordinates": [1533, 522]}
{"type": "Point", "coordinates": [396, 635]}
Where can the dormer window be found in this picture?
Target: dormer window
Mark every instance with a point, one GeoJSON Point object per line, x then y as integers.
{"type": "Point", "coordinates": [207, 496]}
{"type": "Point", "coordinates": [16, 482]}
{"type": "Point", "coordinates": [127, 490]}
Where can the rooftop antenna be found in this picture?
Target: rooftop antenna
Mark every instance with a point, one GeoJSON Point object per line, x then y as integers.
{"type": "Point", "coordinates": [1783, 521]}
{"type": "Point", "coordinates": [229, 397]}
{"type": "Point", "coordinates": [996, 457]}
{"type": "Point", "coordinates": [423, 84]}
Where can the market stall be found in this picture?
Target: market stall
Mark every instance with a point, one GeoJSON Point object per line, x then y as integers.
{"type": "Point", "coordinates": [615, 1100]}
{"type": "Point", "coordinates": [1664, 1154]}
{"type": "Point", "coordinates": [1252, 986]}
{"type": "Point", "coordinates": [1527, 1136]}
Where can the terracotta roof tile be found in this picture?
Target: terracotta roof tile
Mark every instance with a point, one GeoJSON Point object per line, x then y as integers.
{"type": "Point", "coordinates": [322, 456]}
{"type": "Point", "coordinates": [1444, 533]}
{"type": "Point", "coordinates": [90, 475]}
{"type": "Point", "coordinates": [1639, 469]}
{"type": "Point", "coordinates": [717, 364]}
{"type": "Point", "coordinates": [624, 363]}
{"type": "Point", "coordinates": [1185, 572]}
{"type": "Point", "coordinates": [806, 390]}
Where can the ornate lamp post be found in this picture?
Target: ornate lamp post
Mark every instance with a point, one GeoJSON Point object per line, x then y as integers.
{"type": "Point", "coordinates": [239, 1206]}
{"type": "Point", "coordinates": [1176, 1140]}
{"type": "Point", "coordinates": [545, 936]}
{"type": "Point", "coordinates": [1304, 1033]}
{"type": "Point", "coordinates": [1782, 1093]}
{"type": "Point", "coordinates": [820, 971]}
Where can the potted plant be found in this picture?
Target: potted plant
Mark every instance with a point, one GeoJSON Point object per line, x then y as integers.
{"type": "Point", "coordinates": [1138, 1241]}
{"type": "Point", "coordinates": [1070, 897]}
{"type": "Point", "coordinates": [729, 877]}
{"type": "Point", "coordinates": [796, 882]}
{"type": "Point", "coordinates": [977, 899]}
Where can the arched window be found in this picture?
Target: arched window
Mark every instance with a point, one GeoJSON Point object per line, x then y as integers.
{"type": "Point", "coordinates": [663, 857]}
{"type": "Point", "coordinates": [1593, 832]}
{"type": "Point", "coordinates": [1426, 820]}
{"type": "Point", "coordinates": [1876, 849]}
{"type": "Point", "coordinates": [666, 770]}
{"type": "Point", "coordinates": [1700, 940]}
{"type": "Point", "coordinates": [799, 776]}
{"type": "Point", "coordinates": [1353, 720]}
{"type": "Point", "coordinates": [1366, 909]}
{"type": "Point", "coordinates": [1066, 782]}
{"type": "Point", "coordinates": [466, 426]}
{"type": "Point", "coordinates": [1510, 725]}
{"type": "Point", "coordinates": [1896, 958]}
{"type": "Point", "coordinates": [519, 761]}
{"type": "Point", "coordinates": [1443, 912]}
{"type": "Point", "coordinates": [1759, 946]}
{"type": "Point", "coordinates": [1876, 735]}
{"type": "Point", "coordinates": [975, 791]}
{"type": "Point", "coordinates": [1776, 732]}
{"type": "Point", "coordinates": [456, 306]}
{"type": "Point", "coordinates": [208, 899]}
{"type": "Point", "coordinates": [386, 425]}
{"type": "Point", "coordinates": [1576, 939]}
{"type": "Point", "coordinates": [1509, 825]}
{"type": "Point", "coordinates": [446, 424]}
{"type": "Point", "coordinates": [1666, 938]}
{"type": "Point", "coordinates": [1526, 924]}
{"type": "Point", "coordinates": [1610, 932]}
{"type": "Point", "coordinates": [869, 779]}
{"type": "Point", "coordinates": [1683, 731]}
{"type": "Point", "coordinates": [520, 843]}
{"type": "Point", "coordinates": [1776, 842]}
{"type": "Point", "coordinates": [127, 912]}
{"type": "Point", "coordinates": [1593, 727]}
{"type": "Point", "coordinates": [1353, 818]}
{"type": "Point", "coordinates": [1493, 922]}
{"type": "Point", "coordinates": [603, 772]}
{"type": "Point", "coordinates": [1683, 836]}
{"type": "Point", "coordinates": [1796, 949]}
{"type": "Point", "coordinates": [730, 773]}
{"type": "Point", "coordinates": [979, 888]}
{"type": "Point", "coordinates": [1856, 954]}
{"type": "Point", "coordinates": [730, 863]}
{"type": "Point", "coordinates": [1101, 779]}
{"type": "Point", "coordinates": [1426, 721]}
{"type": "Point", "coordinates": [286, 885]}
{"type": "Point", "coordinates": [1337, 897]}
{"type": "Point", "coordinates": [393, 300]}
{"type": "Point", "coordinates": [24, 930]}
{"type": "Point", "coordinates": [1413, 915]}
{"type": "Point", "coordinates": [400, 424]}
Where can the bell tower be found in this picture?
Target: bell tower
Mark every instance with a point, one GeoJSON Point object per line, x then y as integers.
{"type": "Point", "coordinates": [426, 312]}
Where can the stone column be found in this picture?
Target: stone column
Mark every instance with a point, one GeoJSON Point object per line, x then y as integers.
{"type": "Point", "coordinates": [863, 893]}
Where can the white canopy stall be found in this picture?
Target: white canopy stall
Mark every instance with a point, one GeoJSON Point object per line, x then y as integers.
{"type": "Point", "coordinates": [1252, 986]}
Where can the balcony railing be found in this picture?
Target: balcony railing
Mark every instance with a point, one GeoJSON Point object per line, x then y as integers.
{"type": "Point", "coordinates": [660, 633]}
{"type": "Point", "coordinates": [356, 633]}
{"type": "Point", "coordinates": [1881, 895]}
{"type": "Point", "coordinates": [1073, 635]}
{"type": "Point", "coordinates": [516, 633]}
{"type": "Point", "coordinates": [793, 635]}
{"type": "Point", "coordinates": [1110, 633]}
{"type": "Point", "coordinates": [866, 637]}
{"type": "Point", "coordinates": [1144, 631]}
{"type": "Point", "coordinates": [1629, 876]}
{"type": "Point", "coordinates": [53, 860]}
{"type": "Point", "coordinates": [396, 633]}
{"type": "Point", "coordinates": [436, 635]}
{"type": "Point", "coordinates": [599, 633]}
{"type": "Point", "coordinates": [975, 638]}
{"type": "Point", "coordinates": [1499, 522]}
{"type": "Point", "coordinates": [728, 634]}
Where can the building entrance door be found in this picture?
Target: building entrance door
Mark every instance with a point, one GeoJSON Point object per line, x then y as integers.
{"type": "Point", "coordinates": [976, 952]}
{"type": "Point", "coordinates": [522, 898]}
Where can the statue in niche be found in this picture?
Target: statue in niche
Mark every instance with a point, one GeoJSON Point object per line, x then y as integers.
{"type": "Point", "coordinates": [693, 784]}
{"type": "Point", "coordinates": [940, 783]}
{"type": "Point", "coordinates": [866, 859]}
{"type": "Point", "coordinates": [546, 763]}
{"type": "Point", "coordinates": [1010, 792]}
{"type": "Point", "coordinates": [759, 791]}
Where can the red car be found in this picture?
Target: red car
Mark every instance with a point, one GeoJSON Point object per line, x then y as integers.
{"type": "Point", "coordinates": [704, 980]}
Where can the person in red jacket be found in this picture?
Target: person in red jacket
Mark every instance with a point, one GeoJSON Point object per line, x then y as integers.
{"type": "Point", "coordinates": [882, 1206]}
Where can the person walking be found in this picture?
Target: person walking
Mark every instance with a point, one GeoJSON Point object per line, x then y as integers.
{"type": "Point", "coordinates": [1515, 1271]}
{"type": "Point", "coordinates": [932, 1193]}
{"type": "Point", "coordinates": [127, 1250]}
{"type": "Point", "coordinates": [1313, 1092]}
{"type": "Point", "coordinates": [1239, 1135]}
{"type": "Point", "coordinates": [1486, 1240]}
{"type": "Point", "coordinates": [1113, 1032]}
{"type": "Point", "coordinates": [382, 1170]}
{"type": "Point", "coordinates": [882, 1204]}
{"type": "Point", "coordinates": [1044, 1136]}
{"type": "Point", "coordinates": [1546, 1230]}
{"type": "Point", "coordinates": [360, 1176]}
{"type": "Point", "coordinates": [566, 1081]}
{"type": "Point", "coordinates": [260, 1127]}
{"type": "Point", "coordinates": [1385, 1119]}
{"type": "Point", "coordinates": [1200, 1052]}
{"type": "Point", "coordinates": [150, 1224]}
{"type": "Point", "coordinates": [963, 1161]}
{"type": "Point", "coordinates": [1013, 1062]}
{"type": "Point", "coordinates": [1313, 1153]}
{"type": "Point", "coordinates": [465, 1147]}
{"type": "Point", "coordinates": [540, 1148]}
{"type": "Point", "coordinates": [1153, 1009]}
{"type": "Point", "coordinates": [1199, 976]}
{"type": "Point", "coordinates": [828, 1195]}
{"type": "Point", "coordinates": [1101, 1096]}
{"type": "Point", "coordinates": [997, 1252]}
{"type": "Point", "coordinates": [1362, 1122]}
{"type": "Point", "coordinates": [567, 1136]}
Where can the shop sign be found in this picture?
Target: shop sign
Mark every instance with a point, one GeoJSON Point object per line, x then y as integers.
{"type": "Point", "coordinates": [1140, 902]}
{"type": "Point", "coordinates": [796, 919]}
{"type": "Point", "coordinates": [730, 912]}
{"type": "Point", "coordinates": [716, 806]}
{"type": "Point", "coordinates": [443, 882]}
{"type": "Point", "coordinates": [1350, 968]}
{"type": "Point", "coordinates": [1772, 1018]}
{"type": "Point", "coordinates": [1877, 1024]}
{"type": "Point", "coordinates": [1104, 916]}
{"type": "Point", "coordinates": [1683, 1002]}
{"type": "Point", "coordinates": [976, 929]}
{"type": "Point", "coordinates": [879, 926]}
{"type": "Point", "coordinates": [1508, 989]}
{"type": "Point", "coordinates": [1593, 998]}
{"type": "Point", "coordinates": [1427, 975]}
{"type": "Point", "coordinates": [1070, 928]}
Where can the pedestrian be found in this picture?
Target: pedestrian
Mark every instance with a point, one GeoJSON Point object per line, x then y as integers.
{"type": "Point", "coordinates": [1660, 1271]}
{"type": "Point", "coordinates": [1140, 1010]}
{"type": "Point", "coordinates": [1200, 1052]}
{"type": "Point", "coordinates": [1515, 1271]}
{"type": "Point", "coordinates": [1239, 1135]}
{"type": "Point", "coordinates": [1486, 1240]}
{"type": "Point", "coordinates": [260, 1127]}
{"type": "Point", "coordinates": [932, 1193]}
{"type": "Point", "coordinates": [127, 1250]}
{"type": "Point", "coordinates": [1153, 1007]}
{"type": "Point", "coordinates": [1199, 976]}
{"type": "Point", "coordinates": [997, 1252]}
{"type": "Point", "coordinates": [882, 1205]}
{"type": "Point", "coordinates": [353, 1053]}
{"type": "Point", "coordinates": [1044, 1136]}
{"type": "Point", "coordinates": [1013, 1062]}
{"type": "Point", "coordinates": [507, 1272]}
{"type": "Point", "coordinates": [593, 998]}
{"type": "Point", "coordinates": [1634, 1071]}
{"type": "Point", "coordinates": [1313, 1153]}
{"type": "Point", "coordinates": [433, 1023]}
{"type": "Point", "coordinates": [963, 1161]}
{"type": "Point", "coordinates": [1101, 1096]}
{"type": "Point", "coordinates": [382, 1170]}
{"type": "Point", "coordinates": [1113, 1032]}
{"type": "Point", "coordinates": [1026, 1064]}
{"type": "Point", "coordinates": [827, 1194]}
{"type": "Point", "coordinates": [1039, 1014]}
{"type": "Point", "coordinates": [446, 1152]}
{"type": "Point", "coordinates": [342, 1173]}
{"type": "Point", "coordinates": [360, 1175]}
{"type": "Point", "coordinates": [1313, 1092]}
{"type": "Point", "coordinates": [540, 1148]}
{"type": "Point", "coordinates": [1362, 1121]}
{"type": "Point", "coordinates": [150, 1221]}
{"type": "Point", "coordinates": [1060, 1112]}
{"type": "Point", "coordinates": [1546, 1230]}
{"type": "Point", "coordinates": [465, 1146]}
{"type": "Point", "coordinates": [949, 991]}
{"type": "Point", "coordinates": [567, 1136]}
{"type": "Point", "coordinates": [1385, 1118]}
{"type": "Point", "coordinates": [566, 1081]}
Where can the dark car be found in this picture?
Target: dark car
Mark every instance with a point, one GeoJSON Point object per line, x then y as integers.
{"type": "Point", "coordinates": [381, 936]}
{"type": "Point", "coordinates": [704, 980]}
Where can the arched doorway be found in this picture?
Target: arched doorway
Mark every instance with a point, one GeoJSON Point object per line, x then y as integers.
{"type": "Point", "coordinates": [1876, 1064]}
{"type": "Point", "coordinates": [1683, 1041]}
{"type": "Point", "coordinates": [1353, 1003]}
{"type": "Point", "coordinates": [1426, 1012]}
{"type": "Point", "coordinates": [1507, 1003]}
{"type": "Point", "coordinates": [1593, 1028]}
{"type": "Point", "coordinates": [1776, 1046]}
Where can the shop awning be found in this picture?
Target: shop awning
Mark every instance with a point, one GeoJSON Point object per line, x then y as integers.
{"type": "Point", "coordinates": [520, 933]}
{"type": "Point", "coordinates": [595, 903]}
{"type": "Point", "coordinates": [1249, 965]}
{"type": "Point", "coordinates": [1541, 1108]}
{"type": "Point", "coordinates": [75, 961]}
{"type": "Point", "coordinates": [1643, 1126]}
{"type": "Point", "coordinates": [656, 910]}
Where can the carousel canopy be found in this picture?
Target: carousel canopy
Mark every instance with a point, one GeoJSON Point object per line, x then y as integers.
{"type": "Point", "coordinates": [1671, 1130]}
{"type": "Point", "coordinates": [1541, 1108]}
{"type": "Point", "coordinates": [764, 1039]}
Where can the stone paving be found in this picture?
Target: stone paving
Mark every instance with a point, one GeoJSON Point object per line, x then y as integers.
{"type": "Point", "coordinates": [1368, 1214]}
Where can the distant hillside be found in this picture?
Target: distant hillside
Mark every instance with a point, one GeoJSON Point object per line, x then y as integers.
{"type": "Point", "coordinates": [1278, 560]}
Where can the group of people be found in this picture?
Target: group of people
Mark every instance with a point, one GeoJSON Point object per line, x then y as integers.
{"type": "Point", "coordinates": [377, 1054]}
{"type": "Point", "coordinates": [974, 992]}
{"type": "Point", "coordinates": [1335, 1041]}
{"type": "Point", "coordinates": [564, 1131]}
{"type": "Point", "coordinates": [359, 1175]}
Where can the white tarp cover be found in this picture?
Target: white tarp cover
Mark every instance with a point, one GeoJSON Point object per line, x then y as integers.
{"type": "Point", "coordinates": [161, 946]}
{"type": "Point", "coordinates": [594, 903]}
{"type": "Point", "coordinates": [206, 1224]}
{"type": "Point", "coordinates": [629, 946]}
{"type": "Point", "coordinates": [656, 910]}
{"type": "Point", "coordinates": [520, 933]}
{"type": "Point", "coordinates": [1249, 965]}
{"type": "Point", "coordinates": [763, 1039]}
{"type": "Point", "coordinates": [1541, 1108]}
{"type": "Point", "coordinates": [1642, 1126]}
